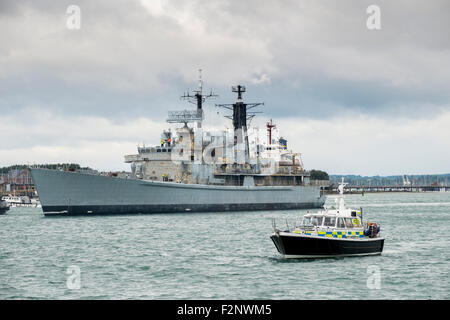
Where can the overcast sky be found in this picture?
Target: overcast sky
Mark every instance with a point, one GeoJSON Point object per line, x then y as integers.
{"type": "Point", "coordinates": [352, 100]}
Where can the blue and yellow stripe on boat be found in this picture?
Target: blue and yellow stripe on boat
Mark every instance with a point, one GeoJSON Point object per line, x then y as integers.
{"type": "Point", "coordinates": [340, 234]}
{"type": "Point", "coordinates": [359, 234]}
{"type": "Point", "coordinates": [307, 232]}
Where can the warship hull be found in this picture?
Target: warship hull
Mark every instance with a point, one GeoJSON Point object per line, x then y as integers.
{"type": "Point", "coordinates": [73, 193]}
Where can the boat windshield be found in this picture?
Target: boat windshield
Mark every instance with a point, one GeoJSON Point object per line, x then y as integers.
{"type": "Point", "coordinates": [330, 222]}
{"type": "Point", "coordinates": [349, 222]}
{"type": "Point", "coordinates": [312, 221]}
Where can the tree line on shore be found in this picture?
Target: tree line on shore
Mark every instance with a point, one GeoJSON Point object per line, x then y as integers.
{"type": "Point", "coordinates": [54, 166]}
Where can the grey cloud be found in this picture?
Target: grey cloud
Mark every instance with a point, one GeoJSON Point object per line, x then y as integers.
{"type": "Point", "coordinates": [320, 58]}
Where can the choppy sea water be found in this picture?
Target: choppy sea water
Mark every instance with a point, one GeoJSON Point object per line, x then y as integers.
{"type": "Point", "coordinates": [222, 255]}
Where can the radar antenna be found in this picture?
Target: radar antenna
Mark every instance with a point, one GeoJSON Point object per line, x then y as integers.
{"type": "Point", "coordinates": [197, 98]}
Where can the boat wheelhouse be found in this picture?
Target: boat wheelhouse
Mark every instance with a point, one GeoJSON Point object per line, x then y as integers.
{"type": "Point", "coordinates": [332, 224]}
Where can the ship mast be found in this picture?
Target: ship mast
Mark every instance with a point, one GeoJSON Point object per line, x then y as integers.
{"type": "Point", "coordinates": [239, 118]}
{"type": "Point", "coordinates": [270, 125]}
{"type": "Point", "coordinates": [198, 98]}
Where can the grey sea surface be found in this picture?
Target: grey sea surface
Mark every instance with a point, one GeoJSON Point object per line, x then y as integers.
{"type": "Point", "coordinates": [222, 255]}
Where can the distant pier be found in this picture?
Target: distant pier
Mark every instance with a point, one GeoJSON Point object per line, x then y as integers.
{"type": "Point", "coordinates": [373, 189]}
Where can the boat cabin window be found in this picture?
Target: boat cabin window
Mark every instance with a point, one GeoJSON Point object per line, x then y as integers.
{"type": "Point", "coordinates": [305, 221]}
{"type": "Point", "coordinates": [340, 223]}
{"type": "Point", "coordinates": [312, 221]}
{"type": "Point", "coordinates": [316, 221]}
{"type": "Point", "coordinates": [348, 222]}
{"type": "Point", "coordinates": [329, 222]}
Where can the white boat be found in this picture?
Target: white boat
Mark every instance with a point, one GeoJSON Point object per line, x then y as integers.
{"type": "Point", "coordinates": [24, 201]}
{"type": "Point", "coordinates": [12, 200]}
{"type": "Point", "coordinates": [330, 233]}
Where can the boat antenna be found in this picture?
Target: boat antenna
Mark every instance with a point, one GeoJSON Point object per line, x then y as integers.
{"type": "Point", "coordinates": [340, 201]}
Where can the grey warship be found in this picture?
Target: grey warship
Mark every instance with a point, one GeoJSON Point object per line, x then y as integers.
{"type": "Point", "coordinates": [191, 170]}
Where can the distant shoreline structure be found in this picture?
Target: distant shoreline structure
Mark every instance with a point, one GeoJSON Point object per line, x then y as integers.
{"type": "Point", "coordinates": [395, 181]}
{"type": "Point", "coordinates": [388, 189]}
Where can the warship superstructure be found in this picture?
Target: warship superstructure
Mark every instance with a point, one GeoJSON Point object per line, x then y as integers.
{"type": "Point", "coordinates": [192, 169]}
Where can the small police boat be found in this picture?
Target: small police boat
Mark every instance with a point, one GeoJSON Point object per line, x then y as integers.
{"type": "Point", "coordinates": [330, 233]}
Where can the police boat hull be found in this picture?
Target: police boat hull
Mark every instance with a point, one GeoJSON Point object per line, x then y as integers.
{"type": "Point", "coordinates": [292, 245]}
